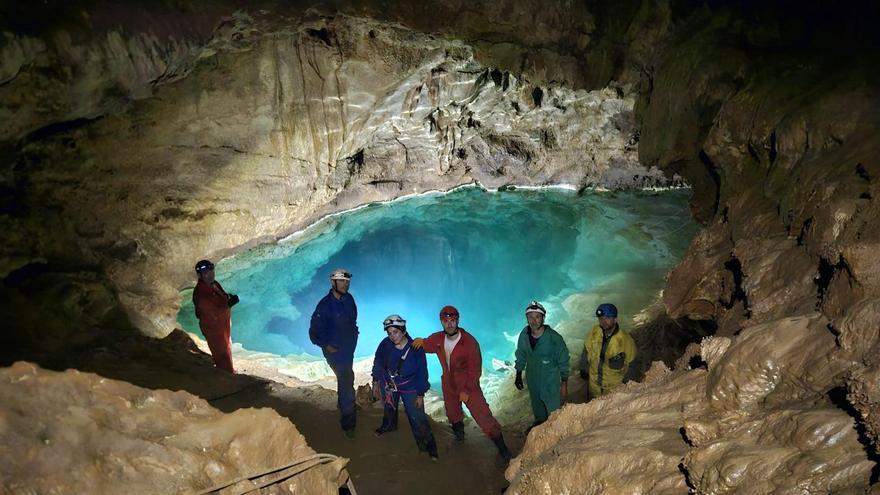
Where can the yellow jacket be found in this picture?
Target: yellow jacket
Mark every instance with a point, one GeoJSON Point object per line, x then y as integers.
{"type": "Point", "coordinates": [607, 367]}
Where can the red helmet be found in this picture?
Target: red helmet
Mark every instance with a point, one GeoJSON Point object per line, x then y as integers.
{"type": "Point", "coordinates": [448, 312]}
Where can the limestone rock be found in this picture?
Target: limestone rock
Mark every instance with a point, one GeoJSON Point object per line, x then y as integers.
{"type": "Point", "coordinates": [75, 432]}
{"type": "Point", "coordinates": [626, 442]}
{"type": "Point", "coordinates": [269, 126]}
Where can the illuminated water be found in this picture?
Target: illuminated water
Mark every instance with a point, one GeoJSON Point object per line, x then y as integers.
{"type": "Point", "coordinates": [487, 253]}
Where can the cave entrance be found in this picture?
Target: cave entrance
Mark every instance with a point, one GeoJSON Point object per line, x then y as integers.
{"type": "Point", "coordinates": [487, 253]}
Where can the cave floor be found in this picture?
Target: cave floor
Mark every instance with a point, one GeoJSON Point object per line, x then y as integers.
{"type": "Point", "coordinates": [387, 465]}
{"type": "Point", "coordinates": [391, 463]}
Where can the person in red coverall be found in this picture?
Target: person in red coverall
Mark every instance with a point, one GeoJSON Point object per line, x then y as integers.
{"type": "Point", "coordinates": [459, 354]}
{"type": "Point", "coordinates": [213, 305]}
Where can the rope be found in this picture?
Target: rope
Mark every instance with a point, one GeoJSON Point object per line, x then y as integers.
{"type": "Point", "coordinates": [284, 472]}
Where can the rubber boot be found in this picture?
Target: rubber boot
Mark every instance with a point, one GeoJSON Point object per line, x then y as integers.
{"type": "Point", "coordinates": [458, 429]}
{"type": "Point", "coordinates": [502, 448]}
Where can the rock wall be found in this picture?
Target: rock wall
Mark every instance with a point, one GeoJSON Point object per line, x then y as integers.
{"type": "Point", "coordinates": [751, 423]}
{"type": "Point", "coordinates": [133, 154]}
{"type": "Point", "coordinates": [264, 128]}
{"type": "Point", "coordinates": [775, 126]}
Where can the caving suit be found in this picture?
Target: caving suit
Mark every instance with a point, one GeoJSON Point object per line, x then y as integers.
{"type": "Point", "coordinates": [334, 323]}
{"type": "Point", "coordinates": [402, 374]}
{"type": "Point", "coordinates": [609, 361]}
{"type": "Point", "coordinates": [546, 364]}
{"type": "Point", "coordinates": [461, 373]}
{"type": "Point", "coordinates": [215, 320]}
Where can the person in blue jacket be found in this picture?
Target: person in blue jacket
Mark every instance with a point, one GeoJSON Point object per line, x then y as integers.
{"type": "Point", "coordinates": [334, 329]}
{"type": "Point", "coordinates": [401, 373]}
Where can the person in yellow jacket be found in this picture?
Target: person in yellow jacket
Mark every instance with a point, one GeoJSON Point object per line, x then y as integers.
{"type": "Point", "coordinates": [609, 354]}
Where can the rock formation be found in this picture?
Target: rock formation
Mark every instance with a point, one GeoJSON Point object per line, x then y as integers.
{"type": "Point", "coordinates": [273, 126]}
{"type": "Point", "coordinates": [75, 432]}
{"type": "Point", "coordinates": [781, 170]}
{"type": "Point", "coordinates": [141, 141]}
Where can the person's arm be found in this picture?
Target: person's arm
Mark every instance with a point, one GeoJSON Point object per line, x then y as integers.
{"type": "Point", "coordinates": [520, 355]}
{"type": "Point", "coordinates": [563, 362]}
{"type": "Point", "coordinates": [209, 305]}
{"type": "Point", "coordinates": [318, 327]}
{"type": "Point", "coordinates": [632, 372]}
{"type": "Point", "coordinates": [197, 302]}
{"type": "Point", "coordinates": [474, 368]}
{"type": "Point", "coordinates": [563, 359]}
{"type": "Point", "coordinates": [430, 343]}
{"type": "Point", "coordinates": [421, 378]}
{"type": "Point", "coordinates": [379, 359]}
{"type": "Point", "coordinates": [354, 321]}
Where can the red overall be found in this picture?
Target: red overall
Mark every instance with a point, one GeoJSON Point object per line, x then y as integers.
{"type": "Point", "coordinates": [463, 375]}
{"type": "Point", "coordinates": [212, 310]}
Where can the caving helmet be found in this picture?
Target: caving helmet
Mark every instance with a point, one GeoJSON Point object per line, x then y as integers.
{"type": "Point", "coordinates": [536, 307]}
{"type": "Point", "coordinates": [606, 309]}
{"type": "Point", "coordinates": [394, 321]}
{"type": "Point", "coordinates": [448, 312]}
{"type": "Point", "coordinates": [340, 274]}
{"type": "Point", "coordinates": [204, 266]}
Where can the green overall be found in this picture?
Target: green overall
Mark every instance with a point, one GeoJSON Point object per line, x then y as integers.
{"type": "Point", "coordinates": [546, 367]}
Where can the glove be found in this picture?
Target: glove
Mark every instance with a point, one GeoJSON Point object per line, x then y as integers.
{"type": "Point", "coordinates": [584, 375]}
{"type": "Point", "coordinates": [518, 383]}
{"type": "Point", "coordinates": [232, 300]}
{"type": "Point", "coordinates": [417, 343]}
{"type": "Point", "coordinates": [463, 397]}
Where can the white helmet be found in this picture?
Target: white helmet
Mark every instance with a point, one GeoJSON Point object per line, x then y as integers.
{"type": "Point", "coordinates": [394, 321]}
{"type": "Point", "coordinates": [340, 274]}
{"type": "Point", "coordinates": [536, 307]}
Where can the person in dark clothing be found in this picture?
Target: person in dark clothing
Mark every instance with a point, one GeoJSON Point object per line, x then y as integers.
{"type": "Point", "coordinates": [400, 372]}
{"type": "Point", "coordinates": [334, 329]}
{"type": "Point", "coordinates": [214, 310]}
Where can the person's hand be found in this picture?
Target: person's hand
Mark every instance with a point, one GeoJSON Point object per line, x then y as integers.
{"type": "Point", "coordinates": [563, 391]}
{"type": "Point", "coordinates": [330, 349]}
{"type": "Point", "coordinates": [584, 375]}
{"type": "Point", "coordinates": [463, 397]}
{"type": "Point", "coordinates": [376, 394]}
{"type": "Point", "coordinates": [417, 343]}
{"type": "Point", "coordinates": [420, 402]}
{"type": "Point", "coordinates": [518, 382]}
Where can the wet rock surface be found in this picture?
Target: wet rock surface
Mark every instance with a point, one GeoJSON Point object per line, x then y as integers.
{"type": "Point", "coordinates": [133, 153]}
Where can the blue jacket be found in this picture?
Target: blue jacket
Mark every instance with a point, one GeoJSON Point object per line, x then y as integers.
{"type": "Point", "coordinates": [413, 377]}
{"type": "Point", "coordinates": [334, 322]}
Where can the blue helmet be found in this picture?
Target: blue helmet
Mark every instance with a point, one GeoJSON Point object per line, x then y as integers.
{"type": "Point", "coordinates": [607, 309]}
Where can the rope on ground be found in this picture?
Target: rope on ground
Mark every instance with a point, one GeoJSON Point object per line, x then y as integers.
{"type": "Point", "coordinates": [242, 389]}
{"type": "Point", "coordinates": [252, 483]}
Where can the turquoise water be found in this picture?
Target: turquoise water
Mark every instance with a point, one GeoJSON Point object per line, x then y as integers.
{"type": "Point", "coordinates": [487, 253]}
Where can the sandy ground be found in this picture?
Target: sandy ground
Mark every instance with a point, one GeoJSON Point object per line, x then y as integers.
{"type": "Point", "coordinates": [389, 464]}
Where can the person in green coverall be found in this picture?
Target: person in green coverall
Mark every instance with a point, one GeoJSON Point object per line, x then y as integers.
{"type": "Point", "coordinates": [542, 354]}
